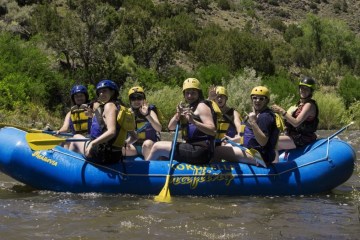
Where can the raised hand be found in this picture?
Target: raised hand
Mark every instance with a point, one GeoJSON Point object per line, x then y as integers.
{"type": "Point", "coordinates": [144, 109]}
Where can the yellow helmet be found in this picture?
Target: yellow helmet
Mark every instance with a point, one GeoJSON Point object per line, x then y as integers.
{"type": "Point", "coordinates": [136, 90]}
{"type": "Point", "coordinates": [260, 90]}
{"type": "Point", "coordinates": [191, 83]}
{"type": "Point", "coordinates": [220, 90]}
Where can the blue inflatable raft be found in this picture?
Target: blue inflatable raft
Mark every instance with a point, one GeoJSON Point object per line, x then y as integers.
{"type": "Point", "coordinates": [317, 168]}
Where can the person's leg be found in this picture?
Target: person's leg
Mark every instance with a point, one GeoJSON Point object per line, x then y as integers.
{"type": "Point", "coordinates": [232, 154]}
{"type": "Point", "coordinates": [129, 150]}
{"type": "Point", "coordinates": [284, 143]}
{"type": "Point", "coordinates": [159, 149]}
{"type": "Point", "coordinates": [146, 148]}
{"type": "Point", "coordinates": [77, 146]}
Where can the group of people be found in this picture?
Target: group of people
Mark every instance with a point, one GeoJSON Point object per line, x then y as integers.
{"type": "Point", "coordinates": [208, 126]}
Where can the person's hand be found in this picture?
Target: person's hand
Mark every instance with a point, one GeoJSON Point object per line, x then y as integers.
{"type": "Point", "coordinates": [144, 109]}
{"type": "Point", "coordinates": [277, 108]}
{"type": "Point", "coordinates": [88, 148]}
{"type": "Point", "coordinates": [212, 92]}
{"type": "Point", "coordinates": [252, 117]}
{"type": "Point", "coordinates": [188, 113]}
{"type": "Point", "coordinates": [89, 112]}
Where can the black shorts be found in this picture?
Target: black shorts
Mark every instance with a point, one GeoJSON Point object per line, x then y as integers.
{"type": "Point", "coordinates": [190, 153]}
{"type": "Point", "coordinates": [302, 140]}
{"type": "Point", "coordinates": [105, 154]}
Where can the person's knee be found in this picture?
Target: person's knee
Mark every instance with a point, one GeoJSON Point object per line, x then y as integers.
{"type": "Point", "coordinates": [148, 144]}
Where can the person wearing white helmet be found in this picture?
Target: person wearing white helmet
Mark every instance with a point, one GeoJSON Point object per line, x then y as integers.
{"type": "Point", "coordinates": [260, 134]}
{"type": "Point", "coordinates": [198, 128]}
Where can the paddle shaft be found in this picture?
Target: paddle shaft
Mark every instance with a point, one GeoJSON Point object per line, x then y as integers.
{"type": "Point", "coordinates": [173, 147]}
{"type": "Point", "coordinates": [164, 195]}
{"type": "Point", "coordinates": [35, 130]}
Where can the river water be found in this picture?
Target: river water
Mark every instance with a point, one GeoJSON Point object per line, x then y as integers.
{"type": "Point", "coordinates": [29, 214]}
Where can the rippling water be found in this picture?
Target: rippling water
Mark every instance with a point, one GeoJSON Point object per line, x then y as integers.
{"type": "Point", "coordinates": [28, 214]}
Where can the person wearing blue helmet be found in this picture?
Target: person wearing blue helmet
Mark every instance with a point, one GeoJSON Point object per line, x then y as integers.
{"type": "Point", "coordinates": [104, 146]}
{"type": "Point", "coordinates": [77, 120]}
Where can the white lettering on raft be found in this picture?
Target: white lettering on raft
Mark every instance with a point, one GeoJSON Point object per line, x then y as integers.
{"type": "Point", "coordinates": [44, 159]}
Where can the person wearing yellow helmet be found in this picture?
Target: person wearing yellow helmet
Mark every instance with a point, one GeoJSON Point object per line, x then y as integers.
{"type": "Point", "coordinates": [147, 127]}
{"type": "Point", "coordinates": [197, 119]}
{"type": "Point", "coordinates": [260, 134]}
{"type": "Point", "coordinates": [229, 124]}
{"type": "Point", "coordinates": [301, 124]}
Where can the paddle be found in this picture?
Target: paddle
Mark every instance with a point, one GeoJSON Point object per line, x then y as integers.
{"type": "Point", "coordinates": [35, 130]}
{"type": "Point", "coordinates": [164, 195]}
{"type": "Point", "coordinates": [254, 153]}
{"type": "Point", "coordinates": [42, 141]}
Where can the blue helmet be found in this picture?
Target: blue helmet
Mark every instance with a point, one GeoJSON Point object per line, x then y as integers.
{"type": "Point", "coordinates": [79, 89]}
{"type": "Point", "coordinates": [107, 84]}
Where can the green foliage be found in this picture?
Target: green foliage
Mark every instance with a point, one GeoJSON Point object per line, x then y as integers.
{"type": "Point", "coordinates": [235, 49]}
{"type": "Point", "coordinates": [353, 114]}
{"type": "Point", "coordinates": [211, 75]}
{"type": "Point", "coordinates": [223, 4]}
{"type": "Point", "coordinates": [331, 110]}
{"type": "Point", "coordinates": [183, 30]}
{"type": "Point", "coordinates": [239, 89]}
{"type": "Point", "coordinates": [325, 40]}
{"type": "Point", "coordinates": [283, 92]}
{"type": "Point", "coordinates": [349, 89]}
{"type": "Point", "coordinates": [277, 24]}
{"type": "Point", "coordinates": [166, 100]}
{"type": "Point", "coordinates": [292, 31]}
{"type": "Point", "coordinates": [26, 75]}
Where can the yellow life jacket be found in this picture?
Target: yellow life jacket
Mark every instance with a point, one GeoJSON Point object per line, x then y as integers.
{"type": "Point", "coordinates": [79, 122]}
{"type": "Point", "coordinates": [126, 121]}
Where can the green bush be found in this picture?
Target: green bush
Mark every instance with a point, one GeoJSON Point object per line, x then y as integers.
{"type": "Point", "coordinates": [353, 114]}
{"type": "Point", "coordinates": [211, 75]}
{"type": "Point", "coordinates": [349, 89]}
{"type": "Point", "coordinates": [26, 75]}
{"type": "Point", "coordinates": [285, 92]}
{"type": "Point", "coordinates": [239, 89]}
{"type": "Point", "coordinates": [331, 110]}
{"type": "Point", "coordinates": [223, 4]}
{"type": "Point", "coordinates": [277, 24]}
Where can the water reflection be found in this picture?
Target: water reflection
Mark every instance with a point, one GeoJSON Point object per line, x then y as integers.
{"type": "Point", "coordinates": [29, 214]}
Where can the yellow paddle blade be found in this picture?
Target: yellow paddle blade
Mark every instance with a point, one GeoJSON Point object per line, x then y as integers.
{"type": "Point", "coordinates": [42, 141]}
{"type": "Point", "coordinates": [164, 195]}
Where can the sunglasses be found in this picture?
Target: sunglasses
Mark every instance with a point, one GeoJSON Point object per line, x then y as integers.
{"type": "Point", "coordinates": [134, 98]}
{"type": "Point", "coordinates": [258, 98]}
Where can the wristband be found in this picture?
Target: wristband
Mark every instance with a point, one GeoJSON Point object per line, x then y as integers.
{"type": "Point", "coordinates": [284, 114]}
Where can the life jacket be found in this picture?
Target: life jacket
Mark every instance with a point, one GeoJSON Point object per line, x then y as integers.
{"type": "Point", "coordinates": [268, 151]}
{"type": "Point", "coordinates": [280, 124]}
{"type": "Point", "coordinates": [190, 133]}
{"type": "Point", "coordinates": [79, 122]}
{"type": "Point", "coordinates": [307, 127]}
{"type": "Point", "coordinates": [225, 125]}
{"type": "Point", "coordinates": [125, 122]}
{"type": "Point", "coordinates": [143, 127]}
